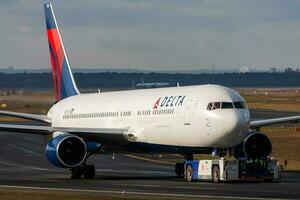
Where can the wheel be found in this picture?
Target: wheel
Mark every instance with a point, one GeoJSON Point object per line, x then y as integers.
{"type": "Point", "coordinates": [76, 172]}
{"type": "Point", "coordinates": [216, 174]}
{"type": "Point", "coordinates": [89, 171]}
{"type": "Point", "coordinates": [268, 179]}
{"type": "Point", "coordinates": [179, 169]}
{"type": "Point", "coordinates": [189, 173]}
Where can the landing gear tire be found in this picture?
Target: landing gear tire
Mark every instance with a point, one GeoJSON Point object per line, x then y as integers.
{"type": "Point", "coordinates": [189, 173]}
{"type": "Point", "coordinates": [76, 172]}
{"type": "Point", "coordinates": [216, 174]}
{"type": "Point", "coordinates": [268, 179]}
{"type": "Point", "coordinates": [89, 172]}
{"type": "Point", "coordinates": [179, 169]}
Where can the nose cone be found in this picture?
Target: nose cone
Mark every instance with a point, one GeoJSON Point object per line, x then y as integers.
{"type": "Point", "coordinates": [237, 122]}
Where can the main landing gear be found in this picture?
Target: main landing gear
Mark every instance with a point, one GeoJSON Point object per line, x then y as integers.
{"type": "Point", "coordinates": [87, 171]}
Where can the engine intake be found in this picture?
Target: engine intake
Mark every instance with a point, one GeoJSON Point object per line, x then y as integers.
{"type": "Point", "coordinates": [256, 145]}
{"type": "Point", "coordinates": [66, 150]}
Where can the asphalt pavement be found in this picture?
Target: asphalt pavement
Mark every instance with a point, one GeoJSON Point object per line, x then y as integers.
{"type": "Point", "coordinates": [23, 165]}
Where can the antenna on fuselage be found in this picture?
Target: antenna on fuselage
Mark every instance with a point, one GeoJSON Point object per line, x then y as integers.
{"type": "Point", "coordinates": [178, 84]}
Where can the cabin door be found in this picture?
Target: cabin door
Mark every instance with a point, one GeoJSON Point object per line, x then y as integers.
{"type": "Point", "coordinates": [188, 112]}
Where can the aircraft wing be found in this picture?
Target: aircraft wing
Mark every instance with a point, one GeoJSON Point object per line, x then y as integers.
{"type": "Point", "coordinates": [40, 130]}
{"type": "Point", "coordinates": [34, 117]}
{"type": "Point", "coordinates": [265, 122]}
{"type": "Point", "coordinates": [102, 135]}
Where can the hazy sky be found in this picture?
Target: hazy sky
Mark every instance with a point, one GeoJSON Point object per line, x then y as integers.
{"type": "Point", "coordinates": [155, 34]}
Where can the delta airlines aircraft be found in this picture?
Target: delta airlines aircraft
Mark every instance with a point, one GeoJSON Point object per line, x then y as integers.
{"type": "Point", "coordinates": [182, 120]}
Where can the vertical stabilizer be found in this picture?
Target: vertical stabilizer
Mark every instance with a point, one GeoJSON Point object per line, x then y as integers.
{"type": "Point", "coordinates": [63, 81]}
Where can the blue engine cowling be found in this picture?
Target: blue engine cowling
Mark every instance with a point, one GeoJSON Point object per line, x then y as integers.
{"type": "Point", "coordinates": [66, 150]}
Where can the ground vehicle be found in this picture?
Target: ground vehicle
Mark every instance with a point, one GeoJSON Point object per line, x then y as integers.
{"type": "Point", "coordinates": [231, 170]}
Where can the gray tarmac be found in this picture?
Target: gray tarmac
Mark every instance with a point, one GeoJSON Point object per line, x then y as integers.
{"type": "Point", "coordinates": [23, 165]}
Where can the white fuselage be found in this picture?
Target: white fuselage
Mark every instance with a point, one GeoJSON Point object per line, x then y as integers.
{"type": "Point", "coordinates": [166, 116]}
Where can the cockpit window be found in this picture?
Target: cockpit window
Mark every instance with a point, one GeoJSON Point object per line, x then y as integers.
{"type": "Point", "coordinates": [209, 106]}
{"type": "Point", "coordinates": [239, 105]}
{"type": "Point", "coordinates": [227, 105]}
{"type": "Point", "coordinates": [217, 105]}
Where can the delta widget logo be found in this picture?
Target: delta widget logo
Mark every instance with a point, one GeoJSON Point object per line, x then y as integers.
{"type": "Point", "coordinates": [168, 101]}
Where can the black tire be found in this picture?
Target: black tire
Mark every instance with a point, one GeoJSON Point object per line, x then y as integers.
{"type": "Point", "coordinates": [76, 172]}
{"type": "Point", "coordinates": [179, 167]}
{"type": "Point", "coordinates": [216, 174]}
{"type": "Point", "coordinates": [268, 179]}
{"type": "Point", "coordinates": [89, 172]}
{"type": "Point", "coordinates": [189, 173]}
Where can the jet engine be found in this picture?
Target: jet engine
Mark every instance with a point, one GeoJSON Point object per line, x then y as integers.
{"type": "Point", "coordinates": [66, 150]}
{"type": "Point", "coordinates": [256, 145]}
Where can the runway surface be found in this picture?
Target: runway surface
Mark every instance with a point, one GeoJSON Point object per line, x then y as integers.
{"type": "Point", "coordinates": [22, 163]}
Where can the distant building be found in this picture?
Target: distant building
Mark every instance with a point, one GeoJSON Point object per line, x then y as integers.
{"type": "Point", "coordinates": [288, 70]}
{"type": "Point", "coordinates": [244, 69]}
{"type": "Point", "coordinates": [273, 70]}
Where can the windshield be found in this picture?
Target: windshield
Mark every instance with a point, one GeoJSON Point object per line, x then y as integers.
{"type": "Point", "coordinates": [225, 105]}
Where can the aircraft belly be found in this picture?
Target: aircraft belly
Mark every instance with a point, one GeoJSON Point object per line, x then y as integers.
{"type": "Point", "coordinates": [163, 148]}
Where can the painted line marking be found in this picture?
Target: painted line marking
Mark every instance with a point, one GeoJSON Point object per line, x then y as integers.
{"type": "Point", "coordinates": [24, 150]}
{"type": "Point", "coordinates": [26, 167]}
{"type": "Point", "coordinates": [141, 172]}
{"type": "Point", "coordinates": [201, 187]}
{"type": "Point", "coordinates": [133, 192]}
{"type": "Point", "coordinates": [149, 159]}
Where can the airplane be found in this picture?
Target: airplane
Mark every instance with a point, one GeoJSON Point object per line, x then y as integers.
{"type": "Point", "coordinates": [183, 120]}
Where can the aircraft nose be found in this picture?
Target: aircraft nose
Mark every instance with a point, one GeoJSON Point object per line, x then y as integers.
{"type": "Point", "coordinates": [236, 122]}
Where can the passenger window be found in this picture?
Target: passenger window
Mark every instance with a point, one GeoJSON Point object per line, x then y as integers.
{"type": "Point", "coordinates": [217, 105]}
{"type": "Point", "coordinates": [209, 106]}
{"type": "Point", "coordinates": [227, 105]}
{"type": "Point", "coordinates": [239, 105]}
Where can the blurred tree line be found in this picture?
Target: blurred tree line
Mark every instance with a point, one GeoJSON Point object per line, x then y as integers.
{"type": "Point", "coordinates": [41, 81]}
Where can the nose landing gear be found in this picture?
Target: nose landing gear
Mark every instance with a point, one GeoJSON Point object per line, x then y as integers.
{"type": "Point", "coordinates": [221, 153]}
